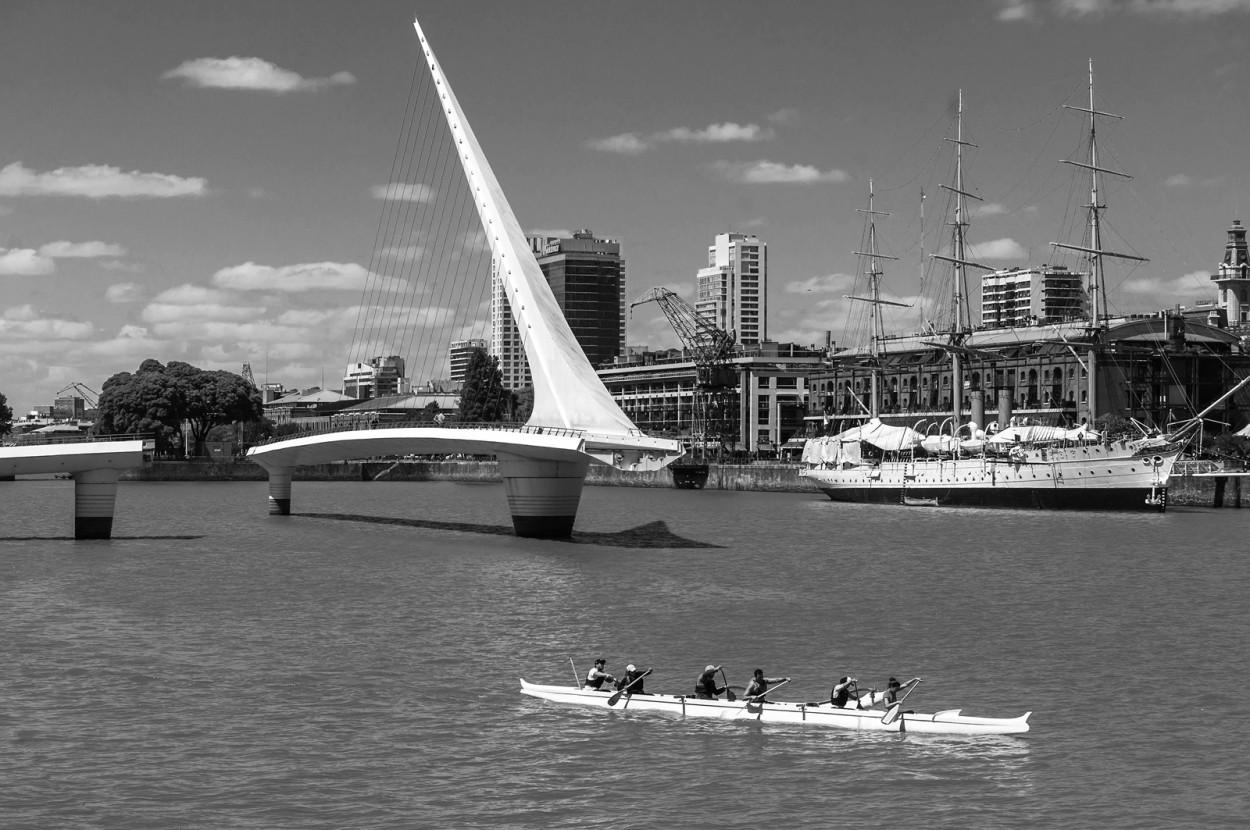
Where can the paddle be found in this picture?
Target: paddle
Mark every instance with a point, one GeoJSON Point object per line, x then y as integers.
{"type": "Point", "coordinates": [767, 691]}
{"type": "Point", "coordinates": [892, 711]}
{"type": "Point", "coordinates": [729, 693]}
{"type": "Point", "coordinates": [612, 700]}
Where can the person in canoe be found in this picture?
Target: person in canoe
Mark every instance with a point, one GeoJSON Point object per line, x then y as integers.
{"type": "Point", "coordinates": [846, 694]}
{"type": "Point", "coordinates": [705, 687]}
{"type": "Point", "coordinates": [759, 685]}
{"type": "Point", "coordinates": [893, 689]}
{"type": "Point", "coordinates": [631, 682]}
{"type": "Point", "coordinates": [596, 677]}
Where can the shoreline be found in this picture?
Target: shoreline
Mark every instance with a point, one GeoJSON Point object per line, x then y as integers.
{"type": "Point", "coordinates": [1188, 491]}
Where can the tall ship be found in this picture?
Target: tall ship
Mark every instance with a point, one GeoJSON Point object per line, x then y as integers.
{"type": "Point", "coordinates": [1088, 414]}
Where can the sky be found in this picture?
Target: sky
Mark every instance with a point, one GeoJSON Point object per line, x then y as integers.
{"type": "Point", "coordinates": [202, 181]}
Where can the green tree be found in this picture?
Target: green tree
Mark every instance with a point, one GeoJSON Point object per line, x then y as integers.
{"type": "Point", "coordinates": [6, 416]}
{"type": "Point", "coordinates": [483, 397]}
{"type": "Point", "coordinates": [158, 399]}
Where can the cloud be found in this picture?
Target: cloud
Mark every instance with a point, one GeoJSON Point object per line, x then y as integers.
{"type": "Point", "coordinates": [825, 284]}
{"type": "Point", "coordinates": [252, 74]}
{"type": "Point", "coordinates": [132, 343]}
{"type": "Point", "coordinates": [1168, 287]}
{"type": "Point", "coordinates": [1160, 8]}
{"type": "Point", "coordinates": [772, 172]}
{"type": "Point", "coordinates": [1000, 249]}
{"type": "Point", "coordinates": [125, 292]}
{"type": "Point", "coordinates": [628, 144]}
{"type": "Point", "coordinates": [784, 117]}
{"type": "Point", "coordinates": [197, 304]}
{"type": "Point", "coordinates": [403, 253]}
{"type": "Point", "coordinates": [24, 262]}
{"type": "Point", "coordinates": [312, 276]}
{"type": "Point", "coordinates": [81, 250]}
{"type": "Point", "coordinates": [545, 233]}
{"type": "Point", "coordinates": [632, 144]}
{"type": "Point", "coordinates": [96, 181]}
{"type": "Point", "coordinates": [401, 192]}
{"type": "Point", "coordinates": [23, 323]}
{"type": "Point", "coordinates": [1183, 181]}
{"type": "Point", "coordinates": [1013, 10]}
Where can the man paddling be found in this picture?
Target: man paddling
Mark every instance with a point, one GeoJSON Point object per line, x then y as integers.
{"type": "Point", "coordinates": [596, 677]}
{"type": "Point", "coordinates": [759, 685]}
{"type": "Point", "coordinates": [631, 682]}
{"type": "Point", "coordinates": [893, 689]}
{"type": "Point", "coordinates": [705, 687]}
{"type": "Point", "coordinates": [845, 694]}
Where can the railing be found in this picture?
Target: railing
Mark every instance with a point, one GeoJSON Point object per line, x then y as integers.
{"type": "Point", "coordinates": [1193, 466]}
{"type": "Point", "coordinates": [31, 439]}
{"type": "Point", "coordinates": [499, 426]}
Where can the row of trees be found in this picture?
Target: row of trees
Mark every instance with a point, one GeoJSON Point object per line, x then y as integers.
{"type": "Point", "coordinates": [6, 416]}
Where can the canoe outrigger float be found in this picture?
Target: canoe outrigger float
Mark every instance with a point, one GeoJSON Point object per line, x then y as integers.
{"type": "Point", "coordinates": [946, 722]}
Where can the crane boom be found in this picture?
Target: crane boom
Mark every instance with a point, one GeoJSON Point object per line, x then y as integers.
{"type": "Point", "coordinates": [706, 342]}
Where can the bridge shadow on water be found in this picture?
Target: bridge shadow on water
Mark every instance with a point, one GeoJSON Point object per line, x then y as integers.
{"type": "Point", "coordinates": [110, 539]}
{"type": "Point", "coordinates": [651, 535]}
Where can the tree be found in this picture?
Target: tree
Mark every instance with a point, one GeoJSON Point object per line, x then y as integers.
{"type": "Point", "coordinates": [158, 399]}
{"type": "Point", "coordinates": [6, 416]}
{"type": "Point", "coordinates": [483, 397]}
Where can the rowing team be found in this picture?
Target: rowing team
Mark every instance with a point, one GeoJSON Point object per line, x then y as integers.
{"type": "Point", "coordinates": [845, 694]}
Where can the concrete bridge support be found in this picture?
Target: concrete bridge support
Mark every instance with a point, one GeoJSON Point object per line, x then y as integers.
{"type": "Point", "coordinates": [95, 497]}
{"type": "Point", "coordinates": [280, 490]}
{"type": "Point", "coordinates": [543, 495]}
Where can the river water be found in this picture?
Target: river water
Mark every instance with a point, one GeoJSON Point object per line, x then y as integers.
{"type": "Point", "coordinates": [355, 665]}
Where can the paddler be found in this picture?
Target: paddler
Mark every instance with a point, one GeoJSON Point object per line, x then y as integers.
{"type": "Point", "coordinates": [759, 685]}
{"type": "Point", "coordinates": [845, 694]}
{"type": "Point", "coordinates": [705, 687]}
{"type": "Point", "coordinates": [596, 677]}
{"type": "Point", "coordinates": [893, 689]}
{"type": "Point", "coordinates": [631, 682]}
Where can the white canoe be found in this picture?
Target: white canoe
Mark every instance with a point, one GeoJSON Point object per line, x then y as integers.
{"type": "Point", "coordinates": [946, 722]}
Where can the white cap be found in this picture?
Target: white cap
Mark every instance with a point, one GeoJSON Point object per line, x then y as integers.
{"type": "Point", "coordinates": [630, 667]}
{"type": "Point", "coordinates": [710, 668]}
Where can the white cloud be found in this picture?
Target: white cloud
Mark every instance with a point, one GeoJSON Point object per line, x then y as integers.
{"type": "Point", "coordinates": [132, 343]}
{"type": "Point", "coordinates": [1182, 180]}
{"type": "Point", "coordinates": [784, 116]}
{"type": "Point", "coordinates": [96, 181]}
{"type": "Point", "coordinates": [1012, 10]}
{"type": "Point", "coordinates": [401, 192]}
{"type": "Point", "coordinates": [81, 250]}
{"type": "Point", "coordinates": [1000, 249]}
{"type": "Point", "coordinates": [716, 134]}
{"type": "Point", "coordinates": [253, 74]}
{"type": "Point", "coordinates": [559, 233]}
{"type": "Point", "coordinates": [303, 277]}
{"type": "Point", "coordinates": [197, 305]}
{"type": "Point", "coordinates": [24, 262]}
{"type": "Point", "coordinates": [125, 292]}
{"type": "Point", "coordinates": [632, 144]}
{"type": "Point", "coordinates": [24, 323]}
{"type": "Point", "coordinates": [772, 172]}
{"type": "Point", "coordinates": [403, 253]}
{"type": "Point", "coordinates": [824, 284]}
{"type": "Point", "coordinates": [1161, 8]}
{"type": "Point", "coordinates": [629, 144]}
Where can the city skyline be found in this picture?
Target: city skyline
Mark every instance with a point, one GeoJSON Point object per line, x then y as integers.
{"type": "Point", "coordinates": [203, 183]}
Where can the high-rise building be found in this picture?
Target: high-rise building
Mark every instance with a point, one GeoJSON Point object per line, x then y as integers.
{"type": "Point", "coordinates": [587, 277]}
{"type": "Point", "coordinates": [379, 377]}
{"type": "Point", "coordinates": [1233, 277]}
{"type": "Point", "coordinates": [733, 288]}
{"type": "Point", "coordinates": [460, 353]}
{"type": "Point", "coordinates": [1028, 296]}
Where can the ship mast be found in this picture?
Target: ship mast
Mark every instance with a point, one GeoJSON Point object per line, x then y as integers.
{"type": "Point", "coordinates": [874, 300]}
{"type": "Point", "coordinates": [1094, 252]}
{"type": "Point", "coordinates": [961, 325]}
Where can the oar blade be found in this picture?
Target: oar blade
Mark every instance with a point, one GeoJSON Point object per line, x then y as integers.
{"type": "Point", "coordinates": [891, 714]}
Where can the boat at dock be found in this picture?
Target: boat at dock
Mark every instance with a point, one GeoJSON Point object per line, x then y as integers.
{"type": "Point", "coordinates": [946, 722]}
{"type": "Point", "coordinates": [873, 455]}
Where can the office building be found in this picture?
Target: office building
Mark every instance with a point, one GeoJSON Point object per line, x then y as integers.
{"type": "Point", "coordinates": [1029, 296]}
{"type": "Point", "coordinates": [733, 288]}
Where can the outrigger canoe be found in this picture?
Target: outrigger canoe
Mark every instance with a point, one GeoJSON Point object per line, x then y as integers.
{"type": "Point", "coordinates": [946, 722]}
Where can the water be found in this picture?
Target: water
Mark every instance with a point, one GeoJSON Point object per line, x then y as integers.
{"type": "Point", "coordinates": [212, 666]}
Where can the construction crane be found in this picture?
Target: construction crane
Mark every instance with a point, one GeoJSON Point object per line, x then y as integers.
{"type": "Point", "coordinates": [248, 376]}
{"type": "Point", "coordinates": [83, 392]}
{"type": "Point", "coordinates": [715, 388]}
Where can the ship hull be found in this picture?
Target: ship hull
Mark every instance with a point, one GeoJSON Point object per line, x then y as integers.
{"type": "Point", "coordinates": [1122, 476]}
